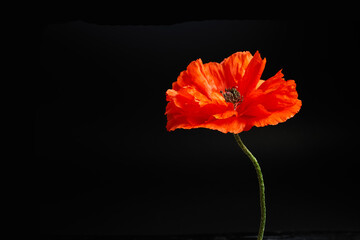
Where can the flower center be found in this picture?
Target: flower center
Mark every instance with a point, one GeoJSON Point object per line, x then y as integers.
{"type": "Point", "coordinates": [232, 95]}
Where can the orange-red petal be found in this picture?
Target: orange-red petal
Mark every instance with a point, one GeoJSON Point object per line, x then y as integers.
{"type": "Point", "coordinates": [252, 75]}
{"type": "Point", "coordinates": [277, 102]}
{"type": "Point", "coordinates": [195, 76]}
{"type": "Point", "coordinates": [188, 108]}
{"type": "Point", "coordinates": [234, 68]}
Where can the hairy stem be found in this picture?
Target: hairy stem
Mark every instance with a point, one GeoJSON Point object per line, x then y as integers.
{"type": "Point", "coordinates": [261, 185]}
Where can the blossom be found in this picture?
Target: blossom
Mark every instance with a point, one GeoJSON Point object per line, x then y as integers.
{"type": "Point", "coordinates": [230, 96]}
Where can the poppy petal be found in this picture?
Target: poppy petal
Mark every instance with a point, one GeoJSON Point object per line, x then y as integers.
{"type": "Point", "coordinates": [279, 102]}
{"type": "Point", "coordinates": [252, 74]}
{"type": "Point", "coordinates": [232, 124]}
{"type": "Point", "coordinates": [187, 108]}
{"type": "Point", "coordinates": [259, 83]}
{"type": "Point", "coordinates": [215, 76]}
{"type": "Point", "coordinates": [234, 68]}
{"type": "Point", "coordinates": [196, 76]}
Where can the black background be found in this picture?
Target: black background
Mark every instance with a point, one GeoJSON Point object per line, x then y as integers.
{"type": "Point", "coordinates": [105, 164]}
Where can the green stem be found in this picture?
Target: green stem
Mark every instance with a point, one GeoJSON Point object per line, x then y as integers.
{"type": "Point", "coordinates": [261, 185]}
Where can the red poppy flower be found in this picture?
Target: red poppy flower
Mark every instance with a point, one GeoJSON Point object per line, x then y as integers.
{"type": "Point", "coordinates": [229, 96]}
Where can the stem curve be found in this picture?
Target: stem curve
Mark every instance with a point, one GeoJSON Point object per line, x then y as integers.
{"type": "Point", "coordinates": [261, 185]}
